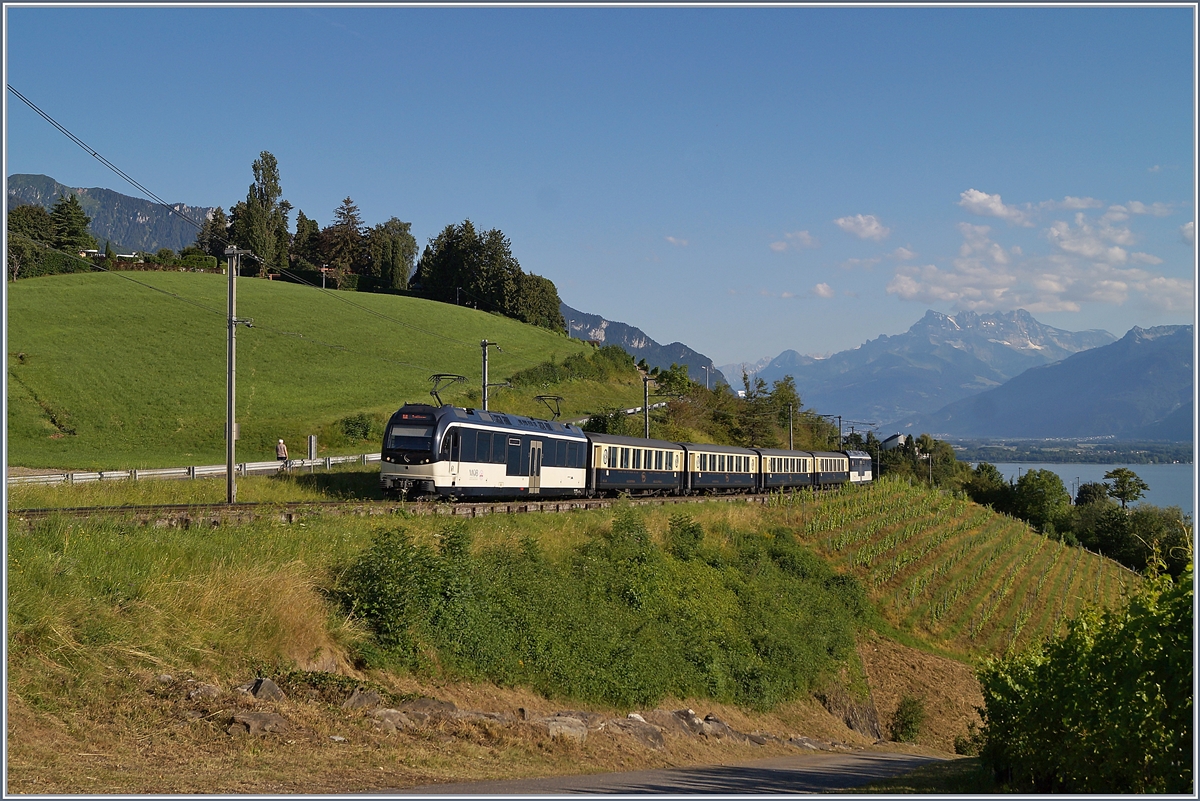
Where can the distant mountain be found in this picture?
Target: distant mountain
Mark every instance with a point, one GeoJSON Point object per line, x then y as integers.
{"type": "Point", "coordinates": [939, 359]}
{"type": "Point", "coordinates": [1139, 387]}
{"type": "Point", "coordinates": [635, 342]}
{"type": "Point", "coordinates": [127, 223]}
{"type": "Point", "coordinates": [735, 370]}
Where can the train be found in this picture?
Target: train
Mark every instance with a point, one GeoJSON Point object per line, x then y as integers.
{"type": "Point", "coordinates": [458, 453]}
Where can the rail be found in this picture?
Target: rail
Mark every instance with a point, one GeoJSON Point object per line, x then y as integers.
{"type": "Point", "coordinates": [192, 472]}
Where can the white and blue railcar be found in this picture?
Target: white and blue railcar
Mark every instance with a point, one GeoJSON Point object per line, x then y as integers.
{"type": "Point", "coordinates": [453, 452]}
{"type": "Point", "coordinates": [638, 466]}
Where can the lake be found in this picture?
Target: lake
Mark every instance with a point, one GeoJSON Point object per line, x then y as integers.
{"type": "Point", "coordinates": [1170, 484]}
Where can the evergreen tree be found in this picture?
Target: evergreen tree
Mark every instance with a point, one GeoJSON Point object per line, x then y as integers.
{"type": "Point", "coordinates": [342, 241]}
{"type": "Point", "coordinates": [306, 244]}
{"type": "Point", "coordinates": [538, 303]}
{"type": "Point", "coordinates": [70, 226]}
{"type": "Point", "coordinates": [214, 234]}
{"type": "Point", "coordinates": [260, 223]}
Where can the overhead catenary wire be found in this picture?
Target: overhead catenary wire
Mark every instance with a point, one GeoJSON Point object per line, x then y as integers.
{"type": "Point", "coordinates": [198, 226]}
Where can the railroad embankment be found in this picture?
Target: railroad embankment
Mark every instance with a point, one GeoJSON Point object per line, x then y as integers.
{"type": "Point", "coordinates": [785, 627]}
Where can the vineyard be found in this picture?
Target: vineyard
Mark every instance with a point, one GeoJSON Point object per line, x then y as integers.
{"type": "Point", "coordinates": [955, 573]}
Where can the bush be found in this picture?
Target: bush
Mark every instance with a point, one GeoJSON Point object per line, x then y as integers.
{"type": "Point", "coordinates": [358, 427]}
{"type": "Point", "coordinates": [616, 620]}
{"type": "Point", "coordinates": [908, 719]}
{"type": "Point", "coordinates": [1105, 709]}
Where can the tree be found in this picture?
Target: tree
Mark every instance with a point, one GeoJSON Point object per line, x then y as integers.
{"type": "Point", "coordinates": [1091, 492]}
{"type": "Point", "coordinates": [213, 236]}
{"type": "Point", "coordinates": [110, 257]}
{"type": "Point", "coordinates": [342, 240]}
{"type": "Point", "coordinates": [306, 244]}
{"type": "Point", "coordinates": [987, 486]}
{"type": "Point", "coordinates": [260, 223]}
{"type": "Point", "coordinates": [31, 221]}
{"type": "Point", "coordinates": [1126, 485]}
{"type": "Point", "coordinates": [480, 265]}
{"type": "Point", "coordinates": [1041, 499]}
{"type": "Point", "coordinates": [538, 303]}
{"type": "Point", "coordinates": [391, 250]}
{"type": "Point", "coordinates": [70, 226]}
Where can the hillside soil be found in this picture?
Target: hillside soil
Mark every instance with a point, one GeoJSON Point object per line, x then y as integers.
{"type": "Point", "coordinates": [148, 736]}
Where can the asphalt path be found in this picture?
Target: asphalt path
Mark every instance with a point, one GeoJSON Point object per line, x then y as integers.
{"type": "Point", "coordinates": [803, 773]}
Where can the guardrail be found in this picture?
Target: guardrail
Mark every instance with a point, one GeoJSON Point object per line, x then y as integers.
{"type": "Point", "coordinates": [194, 471]}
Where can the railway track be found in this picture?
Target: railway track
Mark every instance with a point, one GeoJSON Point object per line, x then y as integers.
{"type": "Point", "coordinates": [215, 514]}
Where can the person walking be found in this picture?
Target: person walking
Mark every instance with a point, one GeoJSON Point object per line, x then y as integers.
{"type": "Point", "coordinates": [281, 454]}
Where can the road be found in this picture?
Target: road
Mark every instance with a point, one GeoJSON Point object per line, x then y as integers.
{"type": "Point", "coordinates": [805, 773]}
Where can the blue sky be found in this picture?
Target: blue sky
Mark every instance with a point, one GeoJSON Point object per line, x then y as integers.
{"type": "Point", "coordinates": [742, 180]}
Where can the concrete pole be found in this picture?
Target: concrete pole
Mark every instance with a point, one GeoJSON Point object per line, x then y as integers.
{"type": "Point", "coordinates": [484, 345]}
{"type": "Point", "coordinates": [646, 404]}
{"type": "Point", "coordinates": [233, 259]}
{"type": "Point", "coordinates": [791, 447]}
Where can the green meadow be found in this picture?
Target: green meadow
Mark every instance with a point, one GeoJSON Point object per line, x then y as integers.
{"type": "Point", "coordinates": [104, 373]}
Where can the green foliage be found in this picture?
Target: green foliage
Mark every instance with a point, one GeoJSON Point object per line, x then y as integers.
{"type": "Point", "coordinates": [1126, 485]}
{"type": "Point", "coordinates": [27, 258]}
{"type": "Point", "coordinates": [1091, 492]}
{"type": "Point", "coordinates": [391, 251]}
{"type": "Point", "coordinates": [260, 223]}
{"type": "Point", "coordinates": [31, 221]}
{"type": "Point", "coordinates": [461, 265]}
{"type": "Point", "coordinates": [361, 426]}
{"type": "Point", "coordinates": [615, 619]}
{"type": "Point", "coordinates": [1107, 708]}
{"type": "Point", "coordinates": [214, 234]}
{"type": "Point", "coordinates": [608, 363]}
{"type": "Point", "coordinates": [970, 744]}
{"type": "Point", "coordinates": [1041, 499]}
{"type": "Point", "coordinates": [70, 226]}
{"type": "Point", "coordinates": [907, 720]}
{"type": "Point", "coordinates": [684, 536]}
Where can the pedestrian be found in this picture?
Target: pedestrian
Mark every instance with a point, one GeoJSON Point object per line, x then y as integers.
{"type": "Point", "coordinates": [281, 454]}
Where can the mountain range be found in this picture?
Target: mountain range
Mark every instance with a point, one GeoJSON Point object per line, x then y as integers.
{"type": "Point", "coordinates": [1139, 387]}
{"type": "Point", "coordinates": [127, 223]}
{"type": "Point", "coordinates": [940, 359]}
{"type": "Point", "coordinates": [636, 343]}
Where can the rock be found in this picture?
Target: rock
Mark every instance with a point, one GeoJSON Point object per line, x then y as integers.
{"type": "Point", "coordinates": [643, 732]}
{"type": "Point", "coordinates": [201, 690]}
{"type": "Point", "coordinates": [266, 690]}
{"type": "Point", "coordinates": [719, 729]}
{"type": "Point", "coordinates": [692, 723]}
{"type": "Point", "coordinates": [165, 678]}
{"type": "Point", "coordinates": [257, 723]}
{"type": "Point", "coordinates": [474, 714]}
{"type": "Point", "coordinates": [423, 710]}
{"type": "Point", "coordinates": [859, 716]}
{"type": "Point", "coordinates": [391, 719]}
{"type": "Point", "coordinates": [362, 700]}
{"type": "Point", "coordinates": [593, 720]}
{"type": "Point", "coordinates": [636, 716]}
{"type": "Point", "coordinates": [805, 743]}
{"type": "Point", "coordinates": [337, 738]}
{"type": "Point", "coordinates": [668, 721]}
{"type": "Point", "coordinates": [565, 727]}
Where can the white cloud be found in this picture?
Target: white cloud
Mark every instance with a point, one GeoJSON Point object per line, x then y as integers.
{"type": "Point", "coordinates": [1155, 168]}
{"type": "Point", "coordinates": [863, 226]}
{"type": "Point", "coordinates": [866, 264]}
{"type": "Point", "coordinates": [1115, 214]}
{"type": "Point", "coordinates": [1091, 243]}
{"type": "Point", "coordinates": [1087, 269]}
{"type": "Point", "coordinates": [679, 243]}
{"type": "Point", "coordinates": [1188, 232]}
{"type": "Point", "coordinates": [787, 294]}
{"type": "Point", "coordinates": [823, 290]}
{"type": "Point", "coordinates": [903, 254]}
{"type": "Point", "coordinates": [1157, 209]}
{"type": "Point", "coordinates": [1069, 202]}
{"type": "Point", "coordinates": [796, 239]}
{"type": "Point", "coordinates": [986, 205]}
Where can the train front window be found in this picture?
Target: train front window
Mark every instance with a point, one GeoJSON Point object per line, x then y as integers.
{"type": "Point", "coordinates": [410, 438]}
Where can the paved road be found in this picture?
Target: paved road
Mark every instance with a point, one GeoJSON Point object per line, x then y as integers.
{"type": "Point", "coordinates": [805, 773]}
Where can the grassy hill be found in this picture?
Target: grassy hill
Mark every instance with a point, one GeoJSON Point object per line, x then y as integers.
{"type": "Point", "coordinates": [106, 374]}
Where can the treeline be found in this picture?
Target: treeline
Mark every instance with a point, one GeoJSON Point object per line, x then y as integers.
{"type": "Point", "coordinates": [1099, 518]}
{"type": "Point", "coordinates": [459, 265]}
{"type": "Point", "coordinates": [44, 242]}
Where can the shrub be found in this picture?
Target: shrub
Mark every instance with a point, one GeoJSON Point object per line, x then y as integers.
{"type": "Point", "coordinates": [908, 719]}
{"type": "Point", "coordinates": [358, 426]}
{"type": "Point", "coordinates": [1105, 709]}
{"type": "Point", "coordinates": [683, 536]}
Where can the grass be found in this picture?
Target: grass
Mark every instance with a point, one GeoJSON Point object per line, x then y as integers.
{"type": "Point", "coordinates": [966, 776]}
{"type": "Point", "coordinates": [106, 374]}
